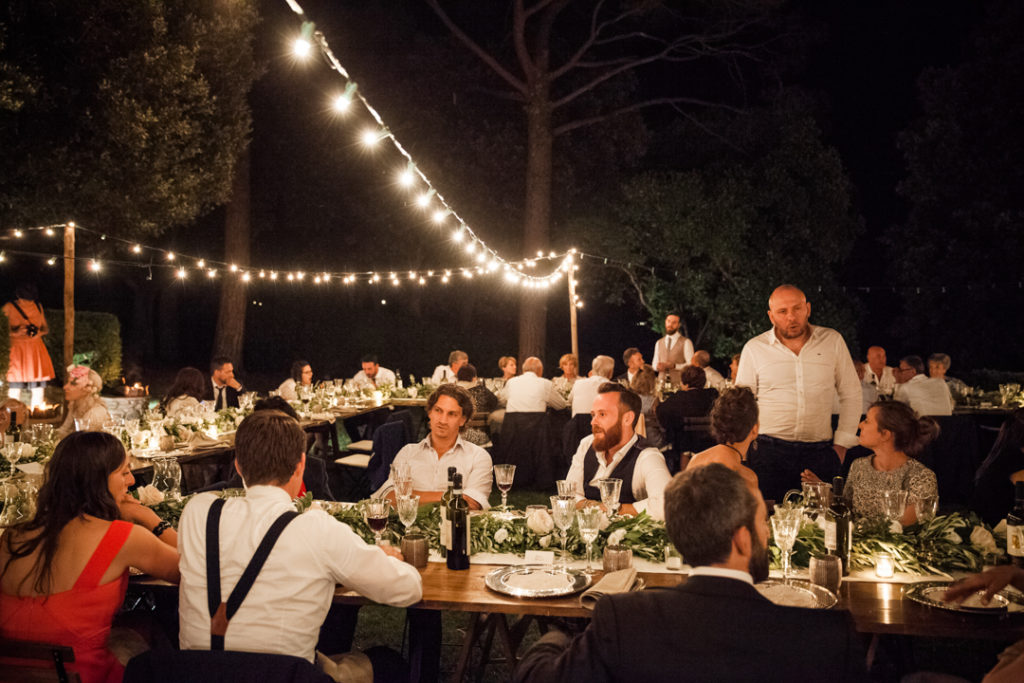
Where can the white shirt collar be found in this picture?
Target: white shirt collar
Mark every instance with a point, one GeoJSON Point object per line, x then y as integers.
{"type": "Point", "coordinates": [427, 443]}
{"type": "Point", "coordinates": [268, 491]}
{"type": "Point", "coordinates": [723, 573]}
{"type": "Point", "coordinates": [774, 338]}
{"type": "Point", "coordinates": [674, 336]}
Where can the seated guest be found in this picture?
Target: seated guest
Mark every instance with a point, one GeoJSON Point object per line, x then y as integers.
{"type": "Point", "coordinates": [713, 627]}
{"type": "Point", "coordinates": [868, 391]}
{"type": "Point", "coordinates": [373, 374]}
{"type": "Point", "coordinates": [530, 392]}
{"type": "Point", "coordinates": [734, 427]}
{"type": "Point", "coordinates": [86, 410]}
{"type": "Point", "coordinates": [448, 409]}
{"type": "Point", "coordinates": [185, 393]}
{"type": "Point", "coordinates": [926, 395]}
{"type": "Point", "coordinates": [508, 367]}
{"type": "Point", "coordinates": [282, 610]}
{"type": "Point", "coordinates": [938, 366]}
{"type": "Point", "coordinates": [614, 450]}
{"type": "Point", "coordinates": [65, 572]}
{"type": "Point", "coordinates": [583, 393]}
{"type": "Point", "coordinates": [878, 374]}
{"type": "Point", "coordinates": [896, 435]}
{"type": "Point", "coordinates": [634, 360]}
{"type": "Point", "coordinates": [692, 399]}
{"type": "Point", "coordinates": [702, 359]}
{"type": "Point", "coordinates": [447, 374]}
{"type": "Point", "coordinates": [644, 384]}
{"type": "Point", "coordinates": [225, 387]}
{"type": "Point", "coordinates": [734, 365]}
{"type": "Point", "coordinates": [1010, 665]}
{"type": "Point", "coordinates": [301, 376]}
{"type": "Point", "coordinates": [484, 401]}
{"type": "Point", "coordinates": [570, 366]}
{"type": "Point", "coordinates": [1002, 469]}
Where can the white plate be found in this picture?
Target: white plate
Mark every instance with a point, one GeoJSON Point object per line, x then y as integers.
{"type": "Point", "coordinates": [536, 581]}
{"type": "Point", "coordinates": [797, 594]}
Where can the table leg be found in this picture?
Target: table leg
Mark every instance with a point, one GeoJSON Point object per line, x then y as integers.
{"type": "Point", "coordinates": [473, 629]}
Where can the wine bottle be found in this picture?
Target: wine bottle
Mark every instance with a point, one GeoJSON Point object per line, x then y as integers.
{"type": "Point", "coordinates": [458, 518]}
{"type": "Point", "coordinates": [839, 526]}
{"type": "Point", "coordinates": [446, 528]}
{"type": "Point", "coordinates": [1015, 527]}
{"type": "Point", "coordinates": [13, 433]}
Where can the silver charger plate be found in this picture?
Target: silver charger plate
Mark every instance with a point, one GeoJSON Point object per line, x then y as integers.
{"type": "Point", "coordinates": [930, 593]}
{"type": "Point", "coordinates": [499, 579]}
{"type": "Point", "coordinates": [800, 594]}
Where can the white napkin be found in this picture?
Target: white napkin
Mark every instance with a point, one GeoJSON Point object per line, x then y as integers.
{"type": "Point", "coordinates": [620, 581]}
{"type": "Point", "coordinates": [32, 468]}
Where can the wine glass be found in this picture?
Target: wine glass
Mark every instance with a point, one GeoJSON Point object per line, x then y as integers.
{"type": "Point", "coordinates": [894, 504]}
{"type": "Point", "coordinates": [408, 506]}
{"type": "Point", "coordinates": [167, 476]}
{"type": "Point", "coordinates": [503, 476]}
{"type": "Point", "coordinates": [610, 489]}
{"type": "Point", "coordinates": [401, 477]}
{"type": "Point", "coordinates": [926, 507]}
{"type": "Point", "coordinates": [12, 453]}
{"type": "Point", "coordinates": [563, 512]}
{"type": "Point", "coordinates": [589, 520]}
{"type": "Point", "coordinates": [565, 488]}
{"type": "Point", "coordinates": [785, 526]}
{"type": "Point", "coordinates": [377, 516]}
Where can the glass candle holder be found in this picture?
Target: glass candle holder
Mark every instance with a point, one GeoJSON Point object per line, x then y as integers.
{"type": "Point", "coordinates": [884, 566]}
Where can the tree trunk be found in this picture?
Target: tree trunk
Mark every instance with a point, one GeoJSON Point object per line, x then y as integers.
{"type": "Point", "coordinates": [230, 333]}
{"type": "Point", "coordinates": [537, 218]}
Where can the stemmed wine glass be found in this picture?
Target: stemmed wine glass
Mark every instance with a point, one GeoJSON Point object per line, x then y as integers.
{"type": "Point", "coordinates": [926, 508]}
{"type": "Point", "coordinates": [610, 489]}
{"type": "Point", "coordinates": [503, 476]}
{"type": "Point", "coordinates": [894, 504]}
{"type": "Point", "coordinates": [167, 476]}
{"type": "Point", "coordinates": [377, 516]}
{"type": "Point", "coordinates": [12, 453]}
{"type": "Point", "coordinates": [408, 506]}
{"type": "Point", "coordinates": [785, 526]}
{"type": "Point", "coordinates": [589, 520]}
{"type": "Point", "coordinates": [562, 512]}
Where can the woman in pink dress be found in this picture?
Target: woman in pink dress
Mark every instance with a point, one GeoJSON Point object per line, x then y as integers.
{"type": "Point", "coordinates": [64, 573]}
{"type": "Point", "coordinates": [30, 366]}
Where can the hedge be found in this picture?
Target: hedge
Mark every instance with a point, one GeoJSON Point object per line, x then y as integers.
{"type": "Point", "coordinates": [95, 333]}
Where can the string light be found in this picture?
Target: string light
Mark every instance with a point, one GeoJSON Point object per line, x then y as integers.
{"type": "Point", "coordinates": [137, 249]}
{"type": "Point", "coordinates": [170, 256]}
{"type": "Point", "coordinates": [94, 266]}
{"type": "Point", "coordinates": [18, 233]}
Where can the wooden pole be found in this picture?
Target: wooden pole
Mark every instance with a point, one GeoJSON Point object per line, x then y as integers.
{"type": "Point", "coordinates": [69, 293]}
{"type": "Point", "coordinates": [573, 330]}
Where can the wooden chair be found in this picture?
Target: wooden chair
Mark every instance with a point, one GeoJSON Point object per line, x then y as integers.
{"type": "Point", "coordinates": [57, 655]}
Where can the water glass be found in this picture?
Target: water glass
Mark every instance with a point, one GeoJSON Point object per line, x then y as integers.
{"type": "Point", "coordinates": [408, 506]}
{"type": "Point", "coordinates": [563, 511]}
{"type": "Point", "coordinates": [610, 489]}
{"type": "Point", "coordinates": [565, 488]}
{"type": "Point", "coordinates": [401, 477]}
{"type": "Point", "coordinates": [167, 476]}
{"type": "Point", "coordinates": [926, 507]}
{"type": "Point", "coordinates": [826, 571]}
{"type": "Point", "coordinates": [894, 504]}
{"type": "Point", "coordinates": [589, 521]}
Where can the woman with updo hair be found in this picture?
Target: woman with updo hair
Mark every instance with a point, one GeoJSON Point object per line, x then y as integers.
{"type": "Point", "coordinates": [896, 435]}
{"type": "Point", "coordinates": [86, 410]}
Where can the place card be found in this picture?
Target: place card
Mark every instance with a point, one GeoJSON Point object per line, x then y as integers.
{"type": "Point", "coordinates": [540, 557]}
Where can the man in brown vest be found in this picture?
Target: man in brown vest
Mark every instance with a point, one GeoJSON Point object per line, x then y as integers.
{"type": "Point", "coordinates": [673, 351]}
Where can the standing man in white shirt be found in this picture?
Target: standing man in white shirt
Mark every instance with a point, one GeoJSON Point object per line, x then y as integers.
{"type": "Point", "coordinates": [926, 395]}
{"type": "Point", "coordinates": [285, 605]}
{"type": "Point", "coordinates": [614, 450]}
{"type": "Point", "coordinates": [673, 351]}
{"type": "Point", "coordinates": [796, 369]}
{"type": "Point", "coordinates": [373, 374]}
{"type": "Point", "coordinates": [879, 375]}
{"type": "Point", "coordinates": [530, 392]}
{"type": "Point", "coordinates": [449, 374]}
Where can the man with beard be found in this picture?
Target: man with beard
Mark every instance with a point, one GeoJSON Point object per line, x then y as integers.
{"type": "Point", "coordinates": [673, 351]}
{"type": "Point", "coordinates": [714, 627]}
{"type": "Point", "coordinates": [614, 450]}
{"type": "Point", "coordinates": [796, 370]}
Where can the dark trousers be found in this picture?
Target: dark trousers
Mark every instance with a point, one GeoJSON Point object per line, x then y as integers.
{"type": "Point", "coordinates": [778, 464]}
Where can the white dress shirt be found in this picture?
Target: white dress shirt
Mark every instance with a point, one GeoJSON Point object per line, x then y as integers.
{"type": "Point", "coordinates": [670, 341]}
{"type": "Point", "coordinates": [926, 395]}
{"type": "Point", "coordinates": [715, 379]}
{"type": "Point", "coordinates": [288, 390]}
{"type": "Point", "coordinates": [884, 384]}
{"type": "Point", "coordinates": [795, 391]}
{"type": "Point", "coordinates": [430, 473]}
{"type": "Point", "coordinates": [650, 475]}
{"type": "Point", "coordinates": [443, 375]}
{"type": "Point", "coordinates": [384, 376]}
{"type": "Point", "coordinates": [286, 606]}
{"type": "Point", "coordinates": [181, 404]}
{"type": "Point", "coordinates": [584, 392]}
{"type": "Point", "coordinates": [723, 573]}
{"type": "Point", "coordinates": [528, 393]}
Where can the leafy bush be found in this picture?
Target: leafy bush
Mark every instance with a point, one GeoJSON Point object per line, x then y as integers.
{"type": "Point", "coordinates": [95, 333]}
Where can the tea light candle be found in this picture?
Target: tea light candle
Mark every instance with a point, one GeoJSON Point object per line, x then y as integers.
{"type": "Point", "coordinates": [884, 567]}
{"type": "Point", "coordinates": [154, 443]}
{"type": "Point", "coordinates": [378, 397]}
{"type": "Point", "coordinates": [212, 432]}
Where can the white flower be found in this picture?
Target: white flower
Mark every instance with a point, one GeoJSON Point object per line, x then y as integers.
{"type": "Point", "coordinates": [615, 537]}
{"type": "Point", "coordinates": [25, 450]}
{"type": "Point", "coordinates": [540, 522]}
{"type": "Point", "coordinates": [187, 418]}
{"type": "Point", "coordinates": [501, 535]}
{"type": "Point", "coordinates": [952, 536]}
{"type": "Point", "coordinates": [150, 495]}
{"type": "Point", "coordinates": [545, 541]}
{"type": "Point", "coordinates": [604, 522]}
{"type": "Point", "coordinates": [981, 537]}
{"type": "Point", "coordinates": [1000, 528]}
{"type": "Point", "coordinates": [895, 527]}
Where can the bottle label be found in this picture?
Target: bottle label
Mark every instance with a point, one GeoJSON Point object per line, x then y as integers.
{"type": "Point", "coordinates": [1015, 540]}
{"type": "Point", "coordinates": [469, 534]}
{"type": "Point", "coordinates": [446, 529]}
{"type": "Point", "coordinates": [830, 536]}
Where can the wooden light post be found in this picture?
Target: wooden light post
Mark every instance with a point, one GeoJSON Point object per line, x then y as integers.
{"type": "Point", "coordinates": [69, 293]}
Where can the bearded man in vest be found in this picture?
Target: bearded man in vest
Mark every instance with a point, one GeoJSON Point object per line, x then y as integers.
{"type": "Point", "coordinates": [615, 450]}
{"type": "Point", "coordinates": [672, 352]}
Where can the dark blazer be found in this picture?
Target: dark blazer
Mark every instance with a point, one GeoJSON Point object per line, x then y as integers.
{"type": "Point", "coordinates": [691, 403]}
{"type": "Point", "coordinates": [230, 395]}
{"type": "Point", "coordinates": [707, 629]}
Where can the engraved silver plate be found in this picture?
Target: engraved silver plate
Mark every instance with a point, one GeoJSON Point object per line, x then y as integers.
{"type": "Point", "coordinates": [795, 593]}
{"type": "Point", "coordinates": [930, 593]}
{"type": "Point", "coordinates": [513, 580]}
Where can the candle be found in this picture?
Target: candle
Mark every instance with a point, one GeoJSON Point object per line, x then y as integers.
{"type": "Point", "coordinates": [884, 567]}
{"type": "Point", "coordinates": [212, 432]}
{"type": "Point", "coordinates": [154, 443]}
{"type": "Point", "coordinates": [378, 397]}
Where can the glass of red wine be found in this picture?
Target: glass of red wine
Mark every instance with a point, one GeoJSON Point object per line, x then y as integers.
{"type": "Point", "coordinates": [377, 516]}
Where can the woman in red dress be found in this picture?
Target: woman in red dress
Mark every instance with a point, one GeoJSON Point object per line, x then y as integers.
{"type": "Point", "coordinates": [30, 366]}
{"type": "Point", "coordinates": [64, 573]}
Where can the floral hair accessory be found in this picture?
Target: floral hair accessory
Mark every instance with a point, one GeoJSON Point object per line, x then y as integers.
{"type": "Point", "coordinates": [78, 371]}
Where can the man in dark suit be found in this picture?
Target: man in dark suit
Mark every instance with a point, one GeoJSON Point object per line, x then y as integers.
{"type": "Point", "coordinates": [225, 387]}
{"type": "Point", "coordinates": [634, 360]}
{"type": "Point", "coordinates": [715, 626]}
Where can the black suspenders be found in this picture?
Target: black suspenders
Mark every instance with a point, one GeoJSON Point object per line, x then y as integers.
{"type": "Point", "coordinates": [221, 612]}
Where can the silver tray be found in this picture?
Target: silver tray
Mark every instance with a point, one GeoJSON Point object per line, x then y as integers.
{"type": "Point", "coordinates": [499, 581]}
{"type": "Point", "coordinates": [822, 598]}
{"type": "Point", "coordinates": [929, 593]}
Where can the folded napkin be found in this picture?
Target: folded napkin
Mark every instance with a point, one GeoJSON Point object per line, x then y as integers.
{"type": "Point", "coordinates": [620, 581]}
{"type": "Point", "coordinates": [200, 440]}
{"type": "Point", "coordinates": [31, 468]}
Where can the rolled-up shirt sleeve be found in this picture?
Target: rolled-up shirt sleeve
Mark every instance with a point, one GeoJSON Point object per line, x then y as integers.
{"type": "Point", "coordinates": [365, 568]}
{"type": "Point", "coordinates": [650, 477]}
{"type": "Point", "coordinates": [850, 396]}
{"type": "Point", "coordinates": [575, 475]}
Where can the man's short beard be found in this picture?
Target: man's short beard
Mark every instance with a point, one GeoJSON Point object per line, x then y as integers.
{"type": "Point", "coordinates": [781, 331]}
{"type": "Point", "coordinates": [609, 438]}
{"type": "Point", "coordinates": [759, 563]}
